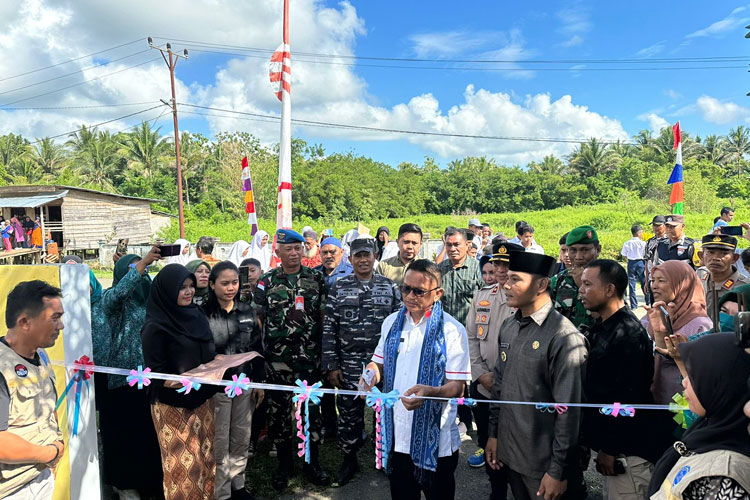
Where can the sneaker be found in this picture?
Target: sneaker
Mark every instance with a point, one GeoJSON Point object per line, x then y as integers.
{"type": "Point", "coordinates": [477, 459]}
{"type": "Point", "coordinates": [272, 452]}
{"type": "Point", "coordinates": [251, 450]}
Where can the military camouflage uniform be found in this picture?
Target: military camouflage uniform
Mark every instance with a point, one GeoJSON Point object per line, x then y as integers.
{"type": "Point", "coordinates": [292, 308]}
{"type": "Point", "coordinates": [354, 314]}
{"type": "Point", "coordinates": [564, 294]}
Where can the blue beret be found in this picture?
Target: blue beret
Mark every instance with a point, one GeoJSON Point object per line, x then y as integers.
{"type": "Point", "coordinates": [288, 236]}
{"type": "Point", "coordinates": [331, 241]}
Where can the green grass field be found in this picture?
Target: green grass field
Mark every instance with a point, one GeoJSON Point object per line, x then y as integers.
{"type": "Point", "coordinates": [612, 222]}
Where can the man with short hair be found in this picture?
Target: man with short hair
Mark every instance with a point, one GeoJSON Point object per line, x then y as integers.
{"type": "Point", "coordinates": [204, 248]}
{"type": "Point", "coordinates": [461, 276]}
{"type": "Point", "coordinates": [620, 367]}
{"type": "Point", "coordinates": [488, 310]}
{"type": "Point", "coordinates": [312, 249]}
{"type": "Point", "coordinates": [409, 243]}
{"type": "Point", "coordinates": [633, 250]}
{"type": "Point", "coordinates": [726, 216]}
{"type": "Point", "coordinates": [475, 226]}
{"type": "Point", "coordinates": [676, 246]}
{"type": "Point", "coordinates": [720, 274]}
{"type": "Point", "coordinates": [563, 259]}
{"type": "Point", "coordinates": [31, 443]}
{"type": "Point", "coordinates": [357, 305]}
{"type": "Point", "coordinates": [526, 237]}
{"type": "Point", "coordinates": [291, 304]}
{"type": "Point", "coordinates": [542, 358]}
{"type": "Point", "coordinates": [583, 247]}
{"type": "Point", "coordinates": [423, 352]}
{"type": "Point", "coordinates": [333, 265]}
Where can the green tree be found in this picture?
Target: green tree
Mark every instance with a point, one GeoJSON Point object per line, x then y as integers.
{"type": "Point", "coordinates": [593, 158]}
{"type": "Point", "coordinates": [549, 165]}
{"type": "Point", "coordinates": [738, 147]}
{"type": "Point", "coordinates": [144, 150]}
{"type": "Point", "coordinates": [49, 155]}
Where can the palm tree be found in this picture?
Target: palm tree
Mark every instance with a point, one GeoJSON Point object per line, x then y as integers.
{"type": "Point", "coordinates": [549, 165]}
{"type": "Point", "coordinates": [12, 149]}
{"type": "Point", "coordinates": [193, 158]}
{"type": "Point", "coordinates": [144, 149]}
{"type": "Point", "coordinates": [49, 155]}
{"type": "Point", "coordinates": [27, 171]}
{"type": "Point", "coordinates": [715, 150]}
{"type": "Point", "coordinates": [98, 164]}
{"type": "Point", "coordinates": [593, 158]}
{"type": "Point", "coordinates": [738, 146]}
{"type": "Point", "coordinates": [81, 140]}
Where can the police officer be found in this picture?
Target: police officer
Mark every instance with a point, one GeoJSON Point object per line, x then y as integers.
{"type": "Point", "coordinates": [660, 233]}
{"type": "Point", "coordinates": [291, 304]}
{"type": "Point", "coordinates": [357, 305]}
{"type": "Point", "coordinates": [488, 310]}
{"type": "Point", "coordinates": [676, 246]}
{"type": "Point", "coordinates": [720, 274]}
{"type": "Point", "coordinates": [583, 247]}
{"type": "Point", "coordinates": [30, 438]}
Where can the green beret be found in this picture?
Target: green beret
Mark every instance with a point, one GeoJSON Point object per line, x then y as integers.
{"type": "Point", "coordinates": [582, 235]}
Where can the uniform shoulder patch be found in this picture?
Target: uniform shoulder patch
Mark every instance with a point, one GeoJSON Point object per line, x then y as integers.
{"type": "Point", "coordinates": [728, 284]}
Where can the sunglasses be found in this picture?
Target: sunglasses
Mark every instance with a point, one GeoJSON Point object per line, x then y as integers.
{"type": "Point", "coordinates": [418, 292]}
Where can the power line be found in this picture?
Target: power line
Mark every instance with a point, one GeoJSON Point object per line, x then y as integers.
{"type": "Point", "coordinates": [516, 61]}
{"type": "Point", "coordinates": [72, 73]}
{"type": "Point", "coordinates": [82, 107]}
{"type": "Point", "coordinates": [472, 68]}
{"type": "Point", "coordinates": [70, 60]}
{"type": "Point", "coordinates": [406, 132]}
{"type": "Point", "coordinates": [79, 83]}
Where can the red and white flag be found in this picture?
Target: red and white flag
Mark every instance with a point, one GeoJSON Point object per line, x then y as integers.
{"type": "Point", "coordinates": [280, 74]}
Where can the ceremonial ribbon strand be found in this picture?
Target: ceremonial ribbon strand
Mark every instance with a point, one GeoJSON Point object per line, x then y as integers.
{"type": "Point", "coordinates": [78, 377]}
{"type": "Point", "coordinates": [304, 394]}
{"type": "Point", "coordinates": [377, 400]}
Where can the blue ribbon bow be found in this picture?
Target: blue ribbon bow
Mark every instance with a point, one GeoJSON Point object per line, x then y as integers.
{"type": "Point", "coordinates": [387, 399]}
{"type": "Point", "coordinates": [307, 393]}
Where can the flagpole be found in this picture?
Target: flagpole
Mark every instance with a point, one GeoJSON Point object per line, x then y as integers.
{"type": "Point", "coordinates": [284, 209]}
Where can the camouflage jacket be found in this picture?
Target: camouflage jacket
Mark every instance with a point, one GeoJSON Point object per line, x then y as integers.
{"type": "Point", "coordinates": [354, 314]}
{"type": "Point", "coordinates": [291, 308]}
{"type": "Point", "coordinates": [564, 294]}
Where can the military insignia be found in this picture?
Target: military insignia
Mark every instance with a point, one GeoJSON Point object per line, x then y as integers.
{"type": "Point", "coordinates": [21, 370]}
{"type": "Point", "coordinates": [495, 289]}
{"type": "Point", "coordinates": [589, 234]}
{"type": "Point", "coordinates": [669, 219]}
{"type": "Point", "coordinates": [728, 284]}
{"type": "Point", "coordinates": [480, 332]}
{"type": "Point", "coordinates": [535, 345]}
{"type": "Point", "coordinates": [299, 303]}
{"type": "Point", "coordinates": [503, 356]}
{"type": "Point", "coordinates": [484, 318]}
{"type": "Point", "coordinates": [681, 249]}
{"type": "Point", "coordinates": [477, 318]}
{"type": "Point", "coordinates": [261, 286]}
{"type": "Point", "coordinates": [484, 302]}
{"type": "Point", "coordinates": [681, 475]}
{"type": "Point", "coordinates": [280, 237]}
{"type": "Point", "coordinates": [717, 239]}
{"type": "Point", "coordinates": [502, 250]}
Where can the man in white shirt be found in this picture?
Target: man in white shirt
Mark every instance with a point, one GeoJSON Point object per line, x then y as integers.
{"type": "Point", "coordinates": [420, 436]}
{"type": "Point", "coordinates": [634, 250]}
{"type": "Point", "coordinates": [527, 241]}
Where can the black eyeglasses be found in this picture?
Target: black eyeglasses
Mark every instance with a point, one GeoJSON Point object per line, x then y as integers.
{"type": "Point", "coordinates": [418, 292]}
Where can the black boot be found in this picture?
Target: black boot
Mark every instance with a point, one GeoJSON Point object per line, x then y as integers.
{"type": "Point", "coordinates": [286, 466]}
{"type": "Point", "coordinates": [315, 474]}
{"type": "Point", "coordinates": [349, 467]}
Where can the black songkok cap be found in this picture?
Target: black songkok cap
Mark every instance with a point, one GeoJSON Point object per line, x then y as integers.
{"type": "Point", "coordinates": [532, 263]}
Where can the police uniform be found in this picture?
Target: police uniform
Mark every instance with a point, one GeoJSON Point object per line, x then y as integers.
{"type": "Point", "coordinates": [351, 330]}
{"type": "Point", "coordinates": [31, 413]}
{"type": "Point", "coordinates": [563, 288]}
{"type": "Point", "coordinates": [292, 307]}
{"type": "Point", "coordinates": [726, 242]}
{"type": "Point", "coordinates": [682, 249]}
{"type": "Point", "coordinates": [648, 255]}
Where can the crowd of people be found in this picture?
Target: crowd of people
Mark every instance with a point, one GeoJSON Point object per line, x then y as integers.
{"type": "Point", "coordinates": [487, 318]}
{"type": "Point", "coordinates": [21, 232]}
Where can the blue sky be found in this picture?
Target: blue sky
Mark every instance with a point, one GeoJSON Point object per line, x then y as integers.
{"type": "Point", "coordinates": [530, 100]}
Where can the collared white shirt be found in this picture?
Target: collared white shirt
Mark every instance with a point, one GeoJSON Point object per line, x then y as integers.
{"type": "Point", "coordinates": [457, 367]}
{"type": "Point", "coordinates": [633, 249]}
{"type": "Point", "coordinates": [534, 248]}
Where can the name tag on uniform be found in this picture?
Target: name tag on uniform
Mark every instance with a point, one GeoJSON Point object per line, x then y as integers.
{"type": "Point", "coordinates": [299, 303]}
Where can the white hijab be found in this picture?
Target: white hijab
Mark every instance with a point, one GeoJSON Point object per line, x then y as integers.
{"type": "Point", "coordinates": [239, 252]}
{"type": "Point", "coordinates": [180, 259]}
{"type": "Point", "coordinates": [263, 254]}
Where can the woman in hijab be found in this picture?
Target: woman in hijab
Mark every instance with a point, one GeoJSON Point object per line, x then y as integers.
{"type": "Point", "coordinates": [184, 256]}
{"type": "Point", "coordinates": [124, 414]}
{"type": "Point", "coordinates": [201, 269]}
{"type": "Point", "coordinates": [677, 289]}
{"type": "Point", "coordinates": [17, 232]}
{"type": "Point", "coordinates": [236, 330]}
{"type": "Point", "coordinates": [261, 250]}
{"type": "Point", "coordinates": [36, 234]}
{"type": "Point", "coordinates": [712, 461]}
{"type": "Point", "coordinates": [177, 338]}
{"type": "Point", "coordinates": [238, 252]}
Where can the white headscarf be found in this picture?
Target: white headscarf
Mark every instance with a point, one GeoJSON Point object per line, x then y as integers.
{"type": "Point", "coordinates": [263, 254]}
{"type": "Point", "coordinates": [180, 259]}
{"type": "Point", "coordinates": [239, 251]}
{"type": "Point", "coordinates": [349, 236]}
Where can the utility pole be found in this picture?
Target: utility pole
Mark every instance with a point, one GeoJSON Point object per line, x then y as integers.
{"type": "Point", "coordinates": [171, 61]}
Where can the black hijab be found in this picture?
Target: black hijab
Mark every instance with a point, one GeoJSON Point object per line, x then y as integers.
{"type": "Point", "coordinates": [381, 229]}
{"type": "Point", "coordinates": [163, 313]}
{"type": "Point", "coordinates": [718, 370]}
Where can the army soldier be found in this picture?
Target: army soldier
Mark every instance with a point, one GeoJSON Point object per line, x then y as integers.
{"type": "Point", "coordinates": [542, 358]}
{"type": "Point", "coordinates": [488, 310]}
{"type": "Point", "coordinates": [720, 274]}
{"type": "Point", "coordinates": [357, 305]}
{"type": "Point", "coordinates": [291, 304]}
{"type": "Point", "coordinates": [676, 246]}
{"type": "Point", "coordinates": [583, 247]}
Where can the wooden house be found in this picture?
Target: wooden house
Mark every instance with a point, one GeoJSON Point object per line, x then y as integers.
{"type": "Point", "coordinates": [81, 219]}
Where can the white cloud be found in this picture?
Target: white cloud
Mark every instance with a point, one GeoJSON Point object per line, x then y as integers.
{"type": "Point", "coordinates": [574, 41]}
{"type": "Point", "coordinates": [672, 94]}
{"type": "Point", "coordinates": [451, 43]}
{"type": "Point", "coordinates": [655, 122]}
{"type": "Point", "coordinates": [715, 111]}
{"type": "Point", "coordinates": [652, 50]}
{"type": "Point", "coordinates": [721, 27]}
{"type": "Point", "coordinates": [574, 23]}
